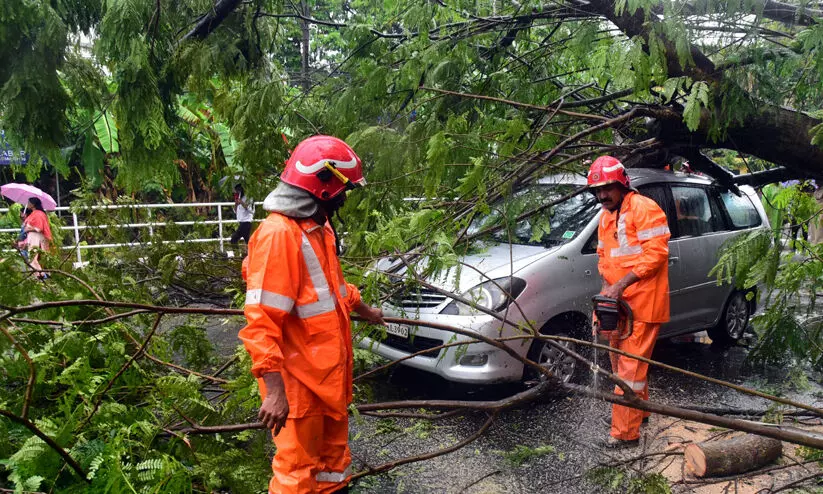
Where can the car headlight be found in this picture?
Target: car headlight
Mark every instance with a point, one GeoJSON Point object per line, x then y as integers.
{"type": "Point", "coordinates": [494, 295]}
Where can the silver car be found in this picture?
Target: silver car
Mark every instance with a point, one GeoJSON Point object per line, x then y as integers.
{"type": "Point", "coordinates": [548, 265]}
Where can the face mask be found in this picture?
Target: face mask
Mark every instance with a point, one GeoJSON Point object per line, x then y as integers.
{"type": "Point", "coordinates": [332, 205]}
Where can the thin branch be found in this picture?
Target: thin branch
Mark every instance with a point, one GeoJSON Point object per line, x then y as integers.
{"type": "Point", "coordinates": [516, 104]}
{"type": "Point", "coordinates": [427, 456]}
{"type": "Point", "coordinates": [125, 366]}
{"type": "Point", "coordinates": [51, 442]}
{"type": "Point", "coordinates": [32, 374]}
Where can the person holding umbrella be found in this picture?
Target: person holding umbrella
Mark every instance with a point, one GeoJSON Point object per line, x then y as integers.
{"type": "Point", "coordinates": [38, 234]}
{"type": "Point", "coordinates": [36, 228]}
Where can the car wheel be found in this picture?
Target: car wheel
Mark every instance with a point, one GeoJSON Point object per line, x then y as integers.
{"type": "Point", "coordinates": [565, 367]}
{"type": "Point", "coordinates": [734, 320]}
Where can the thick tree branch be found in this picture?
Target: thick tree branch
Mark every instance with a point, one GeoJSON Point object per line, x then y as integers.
{"type": "Point", "coordinates": [212, 21]}
{"type": "Point", "coordinates": [785, 13]}
{"type": "Point", "coordinates": [757, 179]}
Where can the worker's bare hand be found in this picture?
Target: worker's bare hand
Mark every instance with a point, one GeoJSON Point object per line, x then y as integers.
{"type": "Point", "coordinates": [371, 314]}
{"type": "Point", "coordinates": [275, 408]}
{"type": "Point", "coordinates": [613, 291]}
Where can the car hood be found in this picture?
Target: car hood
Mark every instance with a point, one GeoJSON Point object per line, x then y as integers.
{"type": "Point", "coordinates": [493, 261]}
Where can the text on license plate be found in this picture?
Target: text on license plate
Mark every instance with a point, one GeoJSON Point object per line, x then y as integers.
{"type": "Point", "coordinates": [398, 330]}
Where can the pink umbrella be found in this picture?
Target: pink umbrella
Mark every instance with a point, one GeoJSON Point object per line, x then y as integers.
{"type": "Point", "coordinates": [21, 193]}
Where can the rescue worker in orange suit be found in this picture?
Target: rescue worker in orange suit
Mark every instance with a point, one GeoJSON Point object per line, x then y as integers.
{"type": "Point", "coordinates": [298, 328]}
{"type": "Point", "coordinates": [633, 260]}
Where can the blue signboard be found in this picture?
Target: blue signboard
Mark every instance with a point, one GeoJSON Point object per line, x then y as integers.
{"type": "Point", "coordinates": [9, 156]}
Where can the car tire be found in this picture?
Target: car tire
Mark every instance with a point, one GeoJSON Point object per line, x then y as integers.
{"type": "Point", "coordinates": [567, 368]}
{"type": "Point", "coordinates": [733, 321]}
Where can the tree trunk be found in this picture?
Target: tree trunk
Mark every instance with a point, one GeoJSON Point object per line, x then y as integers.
{"type": "Point", "coordinates": [733, 456]}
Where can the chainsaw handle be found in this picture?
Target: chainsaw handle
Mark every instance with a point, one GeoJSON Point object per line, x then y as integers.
{"type": "Point", "coordinates": [629, 319]}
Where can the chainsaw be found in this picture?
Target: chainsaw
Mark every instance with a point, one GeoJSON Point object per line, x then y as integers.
{"type": "Point", "coordinates": [613, 318]}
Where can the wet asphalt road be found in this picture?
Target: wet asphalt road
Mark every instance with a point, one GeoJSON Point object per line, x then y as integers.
{"type": "Point", "coordinates": [572, 425]}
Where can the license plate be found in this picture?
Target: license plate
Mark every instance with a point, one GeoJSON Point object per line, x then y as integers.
{"type": "Point", "coordinates": [398, 330]}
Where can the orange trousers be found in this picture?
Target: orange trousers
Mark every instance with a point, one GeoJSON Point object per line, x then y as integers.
{"type": "Point", "coordinates": [312, 456]}
{"type": "Point", "coordinates": [626, 421]}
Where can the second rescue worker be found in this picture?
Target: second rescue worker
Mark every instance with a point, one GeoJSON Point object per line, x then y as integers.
{"type": "Point", "coordinates": [297, 307]}
{"type": "Point", "coordinates": [633, 251]}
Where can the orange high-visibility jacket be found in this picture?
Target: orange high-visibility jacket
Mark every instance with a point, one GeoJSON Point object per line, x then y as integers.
{"type": "Point", "coordinates": [637, 240]}
{"type": "Point", "coordinates": [297, 312]}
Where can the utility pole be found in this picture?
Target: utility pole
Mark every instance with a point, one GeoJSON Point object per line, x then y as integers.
{"type": "Point", "coordinates": [305, 45]}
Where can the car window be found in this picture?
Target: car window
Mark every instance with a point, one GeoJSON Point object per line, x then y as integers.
{"type": "Point", "coordinates": [590, 247]}
{"type": "Point", "coordinates": [550, 226]}
{"type": "Point", "coordinates": [659, 194]}
{"type": "Point", "coordinates": [742, 212]}
{"type": "Point", "coordinates": [693, 212]}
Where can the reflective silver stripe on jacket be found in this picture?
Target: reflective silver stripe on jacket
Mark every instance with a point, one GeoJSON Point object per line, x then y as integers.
{"type": "Point", "coordinates": [344, 291]}
{"type": "Point", "coordinates": [325, 299]}
{"type": "Point", "coordinates": [629, 250]}
{"type": "Point", "coordinates": [269, 299]}
{"type": "Point", "coordinates": [334, 477]}
{"type": "Point", "coordinates": [623, 240]}
{"type": "Point", "coordinates": [600, 244]}
{"type": "Point", "coordinates": [650, 233]}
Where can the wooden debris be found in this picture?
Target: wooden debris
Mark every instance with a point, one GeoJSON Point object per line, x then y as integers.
{"type": "Point", "coordinates": [732, 456]}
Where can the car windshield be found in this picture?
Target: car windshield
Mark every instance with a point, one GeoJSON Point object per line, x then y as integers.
{"type": "Point", "coordinates": [551, 226]}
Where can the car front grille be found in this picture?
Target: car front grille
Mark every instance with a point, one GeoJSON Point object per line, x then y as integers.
{"type": "Point", "coordinates": [413, 298]}
{"type": "Point", "coordinates": [413, 344]}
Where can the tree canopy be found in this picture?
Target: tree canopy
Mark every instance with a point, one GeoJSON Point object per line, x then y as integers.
{"type": "Point", "coordinates": [413, 84]}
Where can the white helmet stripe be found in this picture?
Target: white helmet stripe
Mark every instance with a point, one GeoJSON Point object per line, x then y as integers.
{"type": "Point", "coordinates": [315, 167]}
{"type": "Point", "coordinates": [613, 168]}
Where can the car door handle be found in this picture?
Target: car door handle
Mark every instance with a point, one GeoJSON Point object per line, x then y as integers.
{"type": "Point", "coordinates": [673, 260]}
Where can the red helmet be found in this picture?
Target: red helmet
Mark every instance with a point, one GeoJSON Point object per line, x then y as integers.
{"type": "Point", "coordinates": [606, 170]}
{"type": "Point", "coordinates": [324, 166]}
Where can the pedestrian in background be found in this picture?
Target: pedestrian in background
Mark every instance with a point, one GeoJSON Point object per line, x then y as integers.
{"type": "Point", "coordinates": [816, 223]}
{"type": "Point", "coordinates": [38, 235]}
{"type": "Point", "coordinates": [244, 209]}
{"type": "Point", "coordinates": [20, 243]}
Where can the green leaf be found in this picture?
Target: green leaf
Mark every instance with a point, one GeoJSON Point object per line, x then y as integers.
{"type": "Point", "coordinates": [697, 100]}
{"type": "Point", "coordinates": [817, 135]}
{"type": "Point", "coordinates": [671, 86]}
{"type": "Point", "coordinates": [92, 160]}
{"type": "Point", "coordinates": [227, 144]}
{"type": "Point", "coordinates": [106, 131]}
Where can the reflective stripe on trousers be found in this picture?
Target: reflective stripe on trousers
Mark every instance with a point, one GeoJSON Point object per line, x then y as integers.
{"type": "Point", "coordinates": [625, 420]}
{"type": "Point", "coordinates": [335, 477]}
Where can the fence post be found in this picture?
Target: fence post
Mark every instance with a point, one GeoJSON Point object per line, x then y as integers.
{"type": "Point", "coordinates": [151, 228]}
{"type": "Point", "coordinates": [220, 225]}
{"type": "Point", "coordinates": [77, 239]}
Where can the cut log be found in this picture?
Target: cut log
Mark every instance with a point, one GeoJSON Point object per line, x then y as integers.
{"type": "Point", "coordinates": [732, 456]}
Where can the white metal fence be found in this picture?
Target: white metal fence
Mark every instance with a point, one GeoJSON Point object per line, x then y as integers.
{"type": "Point", "coordinates": [78, 225]}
